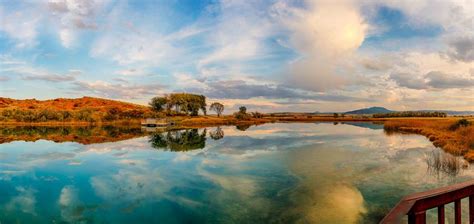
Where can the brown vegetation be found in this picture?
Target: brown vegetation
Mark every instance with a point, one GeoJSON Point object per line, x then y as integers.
{"type": "Point", "coordinates": [446, 133]}
{"type": "Point", "coordinates": [86, 109]}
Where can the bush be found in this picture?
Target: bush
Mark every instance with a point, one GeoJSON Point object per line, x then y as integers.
{"type": "Point", "coordinates": [242, 116]}
{"type": "Point", "coordinates": [459, 123]}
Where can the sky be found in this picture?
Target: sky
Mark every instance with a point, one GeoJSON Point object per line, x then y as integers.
{"type": "Point", "coordinates": [269, 55]}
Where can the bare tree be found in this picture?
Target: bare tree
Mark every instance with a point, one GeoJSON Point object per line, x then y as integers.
{"type": "Point", "coordinates": [217, 107]}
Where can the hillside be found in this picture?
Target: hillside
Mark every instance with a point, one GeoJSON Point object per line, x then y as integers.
{"type": "Point", "coordinates": [85, 109]}
{"type": "Point", "coordinates": [68, 104]}
{"type": "Point", "coordinates": [370, 110]}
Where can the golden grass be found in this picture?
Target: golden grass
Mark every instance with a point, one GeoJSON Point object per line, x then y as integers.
{"type": "Point", "coordinates": [457, 142]}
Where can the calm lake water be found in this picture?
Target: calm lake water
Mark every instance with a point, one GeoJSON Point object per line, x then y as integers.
{"type": "Point", "coordinates": [273, 173]}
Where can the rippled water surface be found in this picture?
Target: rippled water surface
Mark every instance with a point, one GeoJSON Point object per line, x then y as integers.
{"type": "Point", "coordinates": [274, 173]}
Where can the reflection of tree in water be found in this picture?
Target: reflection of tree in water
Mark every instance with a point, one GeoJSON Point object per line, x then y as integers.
{"type": "Point", "coordinates": [443, 163]}
{"type": "Point", "coordinates": [217, 134]}
{"type": "Point", "coordinates": [177, 141]}
{"type": "Point", "coordinates": [82, 134]}
{"type": "Point", "coordinates": [243, 127]}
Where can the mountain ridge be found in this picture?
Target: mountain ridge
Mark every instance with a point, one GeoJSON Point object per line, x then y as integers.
{"type": "Point", "coordinates": [377, 110]}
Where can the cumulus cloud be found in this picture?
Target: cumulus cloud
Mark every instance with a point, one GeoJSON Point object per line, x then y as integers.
{"type": "Point", "coordinates": [462, 48]}
{"type": "Point", "coordinates": [408, 80]}
{"type": "Point", "coordinates": [433, 79]}
{"type": "Point", "coordinates": [442, 80]}
{"type": "Point", "coordinates": [324, 34]}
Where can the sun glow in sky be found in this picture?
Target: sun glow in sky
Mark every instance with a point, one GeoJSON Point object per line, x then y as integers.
{"type": "Point", "coordinates": [270, 55]}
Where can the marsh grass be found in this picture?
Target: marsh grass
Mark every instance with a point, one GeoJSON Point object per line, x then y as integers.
{"type": "Point", "coordinates": [440, 162]}
{"type": "Point", "coordinates": [457, 141]}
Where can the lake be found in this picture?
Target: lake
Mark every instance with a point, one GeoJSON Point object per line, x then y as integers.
{"type": "Point", "coordinates": [273, 173]}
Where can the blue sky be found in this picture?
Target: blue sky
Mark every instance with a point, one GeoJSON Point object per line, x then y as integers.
{"type": "Point", "coordinates": [278, 55]}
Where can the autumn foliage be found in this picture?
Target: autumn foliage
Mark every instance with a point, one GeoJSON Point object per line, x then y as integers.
{"type": "Point", "coordinates": [87, 109]}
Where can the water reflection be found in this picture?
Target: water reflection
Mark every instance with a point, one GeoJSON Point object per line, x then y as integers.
{"type": "Point", "coordinates": [217, 134]}
{"type": "Point", "coordinates": [441, 164]}
{"type": "Point", "coordinates": [178, 141]}
{"type": "Point", "coordinates": [84, 135]}
{"type": "Point", "coordinates": [273, 173]}
{"type": "Point", "coordinates": [243, 127]}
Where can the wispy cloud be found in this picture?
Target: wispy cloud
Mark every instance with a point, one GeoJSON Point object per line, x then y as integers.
{"type": "Point", "coordinates": [118, 90]}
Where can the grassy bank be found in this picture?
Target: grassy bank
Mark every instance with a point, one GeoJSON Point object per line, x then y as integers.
{"type": "Point", "coordinates": [445, 133]}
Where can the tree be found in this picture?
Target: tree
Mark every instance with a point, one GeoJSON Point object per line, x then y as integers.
{"type": "Point", "coordinates": [187, 103]}
{"type": "Point", "coordinates": [242, 114]}
{"type": "Point", "coordinates": [158, 103]}
{"type": "Point", "coordinates": [217, 107]}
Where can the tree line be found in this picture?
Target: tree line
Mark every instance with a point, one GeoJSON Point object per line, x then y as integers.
{"type": "Point", "coordinates": [184, 103]}
{"type": "Point", "coordinates": [411, 114]}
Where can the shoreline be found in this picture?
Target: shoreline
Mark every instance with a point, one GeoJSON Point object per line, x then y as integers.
{"type": "Point", "coordinates": [458, 142]}
{"type": "Point", "coordinates": [201, 121]}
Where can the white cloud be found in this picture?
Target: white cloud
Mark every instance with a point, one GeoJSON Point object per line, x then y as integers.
{"type": "Point", "coordinates": [73, 15]}
{"type": "Point", "coordinates": [67, 37]}
{"type": "Point", "coordinates": [239, 33]}
{"type": "Point", "coordinates": [325, 34]}
{"type": "Point", "coordinates": [22, 26]}
{"type": "Point", "coordinates": [118, 90]}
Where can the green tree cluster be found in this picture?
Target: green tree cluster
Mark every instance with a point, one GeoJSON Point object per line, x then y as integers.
{"type": "Point", "coordinates": [186, 103]}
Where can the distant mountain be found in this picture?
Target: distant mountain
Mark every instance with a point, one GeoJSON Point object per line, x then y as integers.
{"type": "Point", "coordinates": [370, 110]}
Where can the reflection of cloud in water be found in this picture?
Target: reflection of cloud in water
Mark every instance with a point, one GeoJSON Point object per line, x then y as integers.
{"type": "Point", "coordinates": [25, 201]}
{"type": "Point", "coordinates": [242, 185]}
{"type": "Point", "coordinates": [339, 204]}
{"type": "Point", "coordinates": [131, 185]}
{"type": "Point", "coordinates": [323, 194]}
{"type": "Point", "coordinates": [70, 205]}
{"type": "Point", "coordinates": [313, 173]}
{"type": "Point", "coordinates": [120, 148]}
{"type": "Point", "coordinates": [47, 156]}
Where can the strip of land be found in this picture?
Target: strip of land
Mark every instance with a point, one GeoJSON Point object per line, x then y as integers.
{"type": "Point", "coordinates": [183, 109]}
